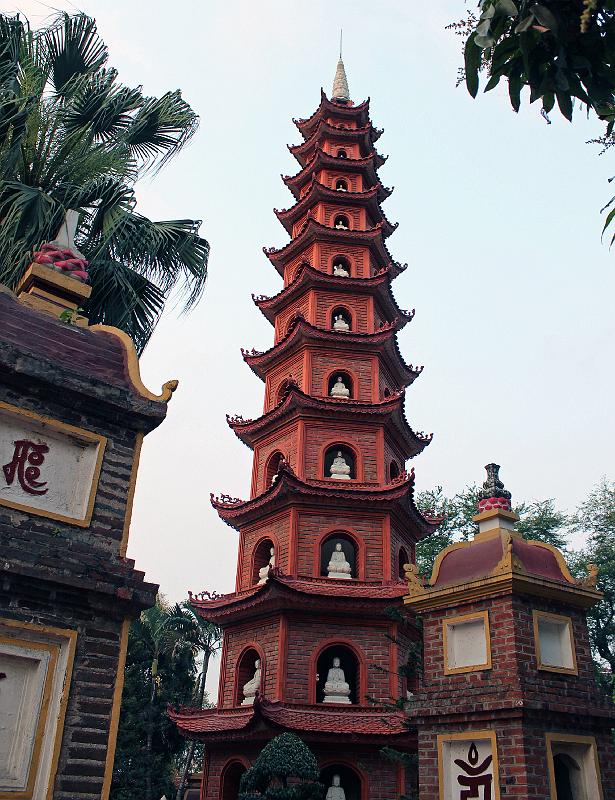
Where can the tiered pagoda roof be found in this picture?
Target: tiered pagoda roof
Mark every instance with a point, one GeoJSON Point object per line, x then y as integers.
{"type": "Point", "coordinates": [359, 113]}
{"type": "Point", "coordinates": [367, 166]}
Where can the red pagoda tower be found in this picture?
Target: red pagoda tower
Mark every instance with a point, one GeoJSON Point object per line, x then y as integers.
{"type": "Point", "coordinates": [308, 644]}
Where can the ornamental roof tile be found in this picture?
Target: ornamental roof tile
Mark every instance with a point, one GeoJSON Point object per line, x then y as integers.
{"type": "Point", "coordinates": [366, 135]}
{"type": "Point", "coordinates": [367, 165]}
{"type": "Point", "coordinates": [360, 111]}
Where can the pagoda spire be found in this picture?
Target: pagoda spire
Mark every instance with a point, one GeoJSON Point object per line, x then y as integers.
{"type": "Point", "coordinates": [340, 83]}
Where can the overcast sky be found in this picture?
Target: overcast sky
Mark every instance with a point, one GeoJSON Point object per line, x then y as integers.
{"type": "Point", "coordinates": [499, 223]}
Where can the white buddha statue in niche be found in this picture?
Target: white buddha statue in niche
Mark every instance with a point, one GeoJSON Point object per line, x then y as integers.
{"type": "Point", "coordinates": [340, 270]}
{"type": "Point", "coordinates": [337, 689]}
{"type": "Point", "coordinates": [340, 225]}
{"type": "Point", "coordinates": [339, 567]}
{"type": "Point", "coordinates": [339, 388]}
{"type": "Point", "coordinates": [335, 791]}
{"type": "Point", "coordinates": [253, 685]}
{"type": "Point", "coordinates": [263, 572]}
{"type": "Point", "coordinates": [340, 324]}
{"type": "Point", "coordinates": [340, 470]}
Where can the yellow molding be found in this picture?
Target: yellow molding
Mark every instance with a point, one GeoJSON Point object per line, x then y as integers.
{"type": "Point", "coordinates": [115, 711]}
{"type": "Point", "coordinates": [136, 455]}
{"type": "Point", "coordinates": [561, 561]}
{"type": "Point", "coordinates": [461, 618]}
{"type": "Point", "coordinates": [71, 637]}
{"type": "Point", "coordinates": [568, 738]}
{"type": "Point", "coordinates": [469, 736]}
{"type": "Point", "coordinates": [495, 512]}
{"type": "Point", "coordinates": [71, 430]}
{"type": "Point", "coordinates": [132, 365]}
{"type": "Point", "coordinates": [537, 616]}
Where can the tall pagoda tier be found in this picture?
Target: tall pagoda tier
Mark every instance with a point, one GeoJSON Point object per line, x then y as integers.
{"type": "Point", "coordinates": [310, 645]}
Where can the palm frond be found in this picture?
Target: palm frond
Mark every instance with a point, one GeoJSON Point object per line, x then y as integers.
{"type": "Point", "coordinates": [11, 35]}
{"type": "Point", "coordinates": [102, 107]}
{"type": "Point", "coordinates": [73, 48]}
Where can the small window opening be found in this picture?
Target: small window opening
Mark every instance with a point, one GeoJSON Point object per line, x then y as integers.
{"type": "Point", "coordinates": [341, 267]}
{"type": "Point", "coordinates": [340, 385]}
{"type": "Point", "coordinates": [339, 463]}
{"type": "Point", "coordinates": [337, 676]}
{"type": "Point", "coordinates": [341, 153]}
{"type": "Point", "coordinates": [341, 222]}
{"type": "Point", "coordinates": [393, 470]}
{"type": "Point", "coordinates": [341, 185]}
{"type": "Point", "coordinates": [338, 557]}
{"type": "Point", "coordinates": [273, 466]}
{"type": "Point", "coordinates": [341, 320]}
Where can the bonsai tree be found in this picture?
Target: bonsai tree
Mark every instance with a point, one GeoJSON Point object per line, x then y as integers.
{"type": "Point", "coordinates": [73, 137]}
{"type": "Point", "coordinates": [286, 769]}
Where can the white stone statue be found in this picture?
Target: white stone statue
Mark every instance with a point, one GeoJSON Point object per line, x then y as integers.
{"type": "Point", "coordinates": [339, 388]}
{"type": "Point", "coordinates": [335, 791]}
{"type": "Point", "coordinates": [341, 225]}
{"type": "Point", "coordinates": [339, 567]}
{"type": "Point", "coordinates": [263, 572]}
{"type": "Point", "coordinates": [340, 324]}
{"type": "Point", "coordinates": [336, 688]}
{"type": "Point", "coordinates": [341, 188]}
{"type": "Point", "coordinates": [252, 686]}
{"type": "Point", "coordinates": [340, 471]}
{"type": "Point", "coordinates": [341, 271]}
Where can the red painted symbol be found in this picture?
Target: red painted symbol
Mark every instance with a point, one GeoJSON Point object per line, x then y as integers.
{"type": "Point", "coordinates": [27, 459]}
{"type": "Point", "coordinates": [475, 777]}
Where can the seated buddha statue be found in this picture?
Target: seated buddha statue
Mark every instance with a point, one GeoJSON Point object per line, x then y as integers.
{"type": "Point", "coordinates": [340, 270]}
{"type": "Point", "coordinates": [253, 685]}
{"type": "Point", "coordinates": [340, 225]}
{"type": "Point", "coordinates": [263, 572]}
{"type": "Point", "coordinates": [339, 471]}
{"type": "Point", "coordinates": [337, 689]}
{"type": "Point", "coordinates": [339, 388]}
{"type": "Point", "coordinates": [339, 567]}
{"type": "Point", "coordinates": [340, 324]}
{"type": "Point", "coordinates": [335, 791]}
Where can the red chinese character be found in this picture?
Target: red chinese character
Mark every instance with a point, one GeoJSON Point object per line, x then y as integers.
{"type": "Point", "coordinates": [27, 452]}
{"type": "Point", "coordinates": [475, 779]}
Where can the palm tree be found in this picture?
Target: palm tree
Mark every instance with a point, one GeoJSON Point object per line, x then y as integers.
{"type": "Point", "coordinates": [73, 137]}
{"type": "Point", "coordinates": [205, 639]}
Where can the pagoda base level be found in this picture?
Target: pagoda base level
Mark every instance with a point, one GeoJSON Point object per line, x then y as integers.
{"type": "Point", "coordinates": [364, 774]}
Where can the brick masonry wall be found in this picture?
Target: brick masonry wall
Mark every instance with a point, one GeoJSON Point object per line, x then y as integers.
{"type": "Point", "coordinates": [285, 317]}
{"type": "Point", "coordinates": [278, 529]}
{"type": "Point", "coordinates": [292, 366]}
{"type": "Point", "coordinates": [363, 440]}
{"type": "Point", "coordinates": [358, 305]}
{"type": "Point", "coordinates": [264, 633]}
{"type": "Point", "coordinates": [357, 255]}
{"type": "Point", "coordinates": [359, 368]}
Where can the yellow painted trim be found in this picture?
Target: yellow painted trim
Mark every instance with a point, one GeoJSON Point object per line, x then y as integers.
{"type": "Point", "coordinates": [537, 616]}
{"type": "Point", "coordinates": [115, 711]}
{"type": "Point", "coordinates": [469, 736]}
{"type": "Point", "coordinates": [71, 636]}
{"type": "Point", "coordinates": [71, 430]}
{"type": "Point", "coordinates": [132, 365]}
{"type": "Point", "coordinates": [554, 738]}
{"type": "Point", "coordinates": [52, 649]}
{"type": "Point", "coordinates": [484, 615]}
{"type": "Point", "coordinates": [561, 562]}
{"type": "Point", "coordinates": [136, 455]}
{"type": "Point", "coordinates": [496, 512]}
{"type": "Point", "coordinates": [440, 558]}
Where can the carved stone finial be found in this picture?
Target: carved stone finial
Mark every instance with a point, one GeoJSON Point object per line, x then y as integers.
{"type": "Point", "coordinates": [493, 494]}
{"type": "Point", "coordinates": [416, 582]}
{"type": "Point", "coordinates": [591, 579]}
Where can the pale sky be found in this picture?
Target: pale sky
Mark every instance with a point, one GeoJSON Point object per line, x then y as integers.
{"type": "Point", "coordinates": [499, 223]}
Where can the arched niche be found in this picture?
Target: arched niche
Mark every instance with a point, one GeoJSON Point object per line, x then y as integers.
{"type": "Point", "coordinates": [341, 319]}
{"type": "Point", "coordinates": [402, 560]}
{"type": "Point", "coordinates": [341, 222]}
{"type": "Point", "coordinates": [349, 547]}
{"type": "Point", "coordinates": [349, 780]}
{"type": "Point", "coordinates": [282, 389]}
{"type": "Point", "coordinates": [272, 466]}
{"type": "Point", "coordinates": [387, 392]}
{"type": "Point", "coordinates": [569, 783]}
{"type": "Point", "coordinates": [349, 663]}
{"type": "Point", "coordinates": [334, 381]}
{"type": "Point", "coordinates": [341, 153]}
{"type": "Point", "coordinates": [341, 185]}
{"type": "Point", "coordinates": [261, 558]}
{"type": "Point", "coordinates": [230, 778]}
{"type": "Point", "coordinates": [394, 470]}
{"type": "Point", "coordinates": [341, 266]}
{"type": "Point", "coordinates": [246, 667]}
{"type": "Point", "coordinates": [337, 454]}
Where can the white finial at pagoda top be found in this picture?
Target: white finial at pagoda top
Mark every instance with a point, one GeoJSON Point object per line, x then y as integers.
{"type": "Point", "coordinates": [340, 82]}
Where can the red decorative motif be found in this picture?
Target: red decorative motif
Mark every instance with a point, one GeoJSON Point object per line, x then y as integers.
{"type": "Point", "coordinates": [62, 260]}
{"type": "Point", "coordinates": [490, 503]}
{"type": "Point", "coordinates": [25, 465]}
{"type": "Point", "coordinates": [476, 776]}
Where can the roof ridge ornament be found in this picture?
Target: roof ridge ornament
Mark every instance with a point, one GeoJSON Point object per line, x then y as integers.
{"type": "Point", "coordinates": [340, 83]}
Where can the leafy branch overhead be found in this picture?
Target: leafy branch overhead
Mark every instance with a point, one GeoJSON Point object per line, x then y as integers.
{"type": "Point", "coordinates": [562, 50]}
{"type": "Point", "coordinates": [73, 137]}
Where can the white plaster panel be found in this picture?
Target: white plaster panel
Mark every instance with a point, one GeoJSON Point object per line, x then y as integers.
{"type": "Point", "coordinates": [56, 479]}
{"type": "Point", "coordinates": [466, 643]}
{"type": "Point", "coordinates": [22, 702]}
{"type": "Point", "coordinates": [468, 769]}
{"type": "Point", "coordinates": [580, 762]}
{"type": "Point", "coordinates": [555, 643]}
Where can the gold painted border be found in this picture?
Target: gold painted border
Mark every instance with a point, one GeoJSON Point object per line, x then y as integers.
{"type": "Point", "coordinates": [469, 736]}
{"type": "Point", "coordinates": [446, 621]}
{"type": "Point", "coordinates": [82, 433]}
{"type": "Point", "coordinates": [537, 615]}
{"type": "Point", "coordinates": [130, 496]}
{"type": "Point", "coordinates": [553, 738]}
{"type": "Point", "coordinates": [71, 637]}
{"type": "Point", "coordinates": [115, 711]}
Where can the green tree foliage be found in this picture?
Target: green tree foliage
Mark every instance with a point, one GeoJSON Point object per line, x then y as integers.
{"type": "Point", "coordinates": [286, 769]}
{"type": "Point", "coordinates": [73, 137]}
{"type": "Point", "coordinates": [162, 668]}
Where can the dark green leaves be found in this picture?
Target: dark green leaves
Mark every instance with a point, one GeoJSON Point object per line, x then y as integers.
{"type": "Point", "coordinates": [73, 48]}
{"type": "Point", "coordinates": [473, 57]}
